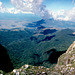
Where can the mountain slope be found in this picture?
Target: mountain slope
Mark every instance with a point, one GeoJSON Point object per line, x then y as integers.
{"type": "Point", "coordinates": [31, 49]}
{"type": "Point", "coordinates": [25, 47]}
{"type": "Point", "coordinates": [65, 66]}
{"type": "Point", "coordinates": [8, 36]}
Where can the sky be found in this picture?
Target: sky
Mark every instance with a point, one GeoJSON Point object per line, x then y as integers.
{"type": "Point", "coordinates": [38, 9]}
{"type": "Point", "coordinates": [56, 5]}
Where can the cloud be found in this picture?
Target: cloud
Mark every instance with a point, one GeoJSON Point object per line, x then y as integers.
{"type": "Point", "coordinates": [34, 6]}
{"type": "Point", "coordinates": [60, 15]}
{"type": "Point", "coordinates": [66, 15]}
{"type": "Point", "coordinates": [11, 10]}
{"type": "Point", "coordinates": [73, 1]}
{"type": "Point", "coordinates": [71, 14]}
{"type": "Point", "coordinates": [1, 7]}
{"type": "Point", "coordinates": [37, 7]}
{"type": "Point", "coordinates": [16, 11]}
{"type": "Point", "coordinates": [0, 4]}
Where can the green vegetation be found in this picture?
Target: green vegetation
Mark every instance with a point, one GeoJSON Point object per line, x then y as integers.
{"type": "Point", "coordinates": [23, 49]}
{"type": "Point", "coordinates": [64, 66]}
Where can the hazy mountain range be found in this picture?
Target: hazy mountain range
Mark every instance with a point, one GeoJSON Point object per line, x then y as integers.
{"type": "Point", "coordinates": [49, 23]}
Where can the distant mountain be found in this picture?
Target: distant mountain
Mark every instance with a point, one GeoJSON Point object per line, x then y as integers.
{"type": "Point", "coordinates": [5, 62]}
{"type": "Point", "coordinates": [49, 23]}
{"type": "Point", "coordinates": [56, 23]}
{"type": "Point", "coordinates": [36, 24]}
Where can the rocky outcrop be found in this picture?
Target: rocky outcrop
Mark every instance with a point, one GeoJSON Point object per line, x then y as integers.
{"type": "Point", "coordinates": [30, 70]}
{"type": "Point", "coordinates": [66, 62]}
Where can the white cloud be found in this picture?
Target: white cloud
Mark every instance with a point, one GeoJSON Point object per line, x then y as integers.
{"type": "Point", "coordinates": [71, 14]}
{"type": "Point", "coordinates": [34, 6]}
{"type": "Point", "coordinates": [11, 10]}
{"type": "Point", "coordinates": [60, 15]}
{"type": "Point", "coordinates": [0, 4]}
{"type": "Point", "coordinates": [73, 1]}
{"type": "Point", "coordinates": [1, 7]}
{"type": "Point", "coordinates": [37, 7]}
{"type": "Point", "coordinates": [66, 15]}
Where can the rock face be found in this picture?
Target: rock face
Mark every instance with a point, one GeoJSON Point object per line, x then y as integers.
{"type": "Point", "coordinates": [66, 62]}
{"type": "Point", "coordinates": [5, 63]}
{"type": "Point", "coordinates": [30, 70]}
